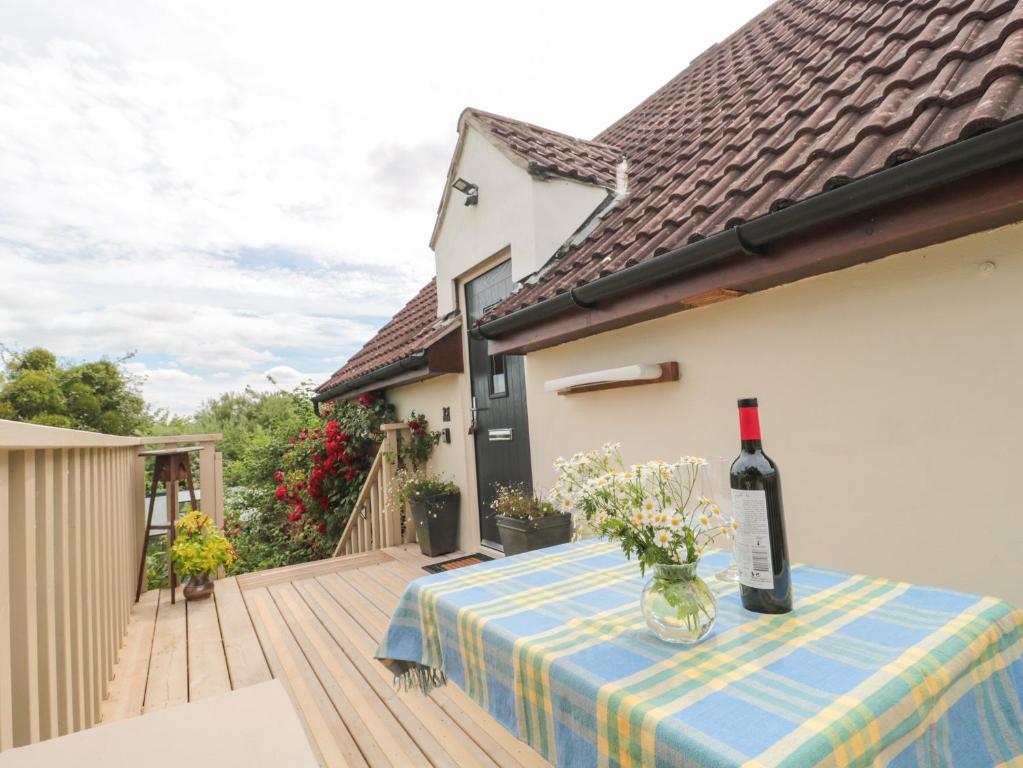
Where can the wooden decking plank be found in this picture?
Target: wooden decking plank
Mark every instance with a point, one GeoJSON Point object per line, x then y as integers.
{"type": "Point", "coordinates": [388, 575]}
{"type": "Point", "coordinates": [423, 725]}
{"type": "Point", "coordinates": [489, 733]}
{"type": "Point", "coordinates": [329, 733]}
{"type": "Point", "coordinates": [246, 663]}
{"type": "Point", "coordinates": [379, 736]}
{"type": "Point", "coordinates": [128, 688]}
{"type": "Point", "coordinates": [309, 570]}
{"type": "Point", "coordinates": [411, 554]}
{"type": "Point", "coordinates": [337, 609]}
{"type": "Point", "coordinates": [207, 663]}
{"type": "Point", "coordinates": [167, 683]}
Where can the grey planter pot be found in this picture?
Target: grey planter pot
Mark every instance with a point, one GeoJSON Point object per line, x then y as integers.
{"type": "Point", "coordinates": [519, 536]}
{"type": "Point", "coordinates": [436, 522]}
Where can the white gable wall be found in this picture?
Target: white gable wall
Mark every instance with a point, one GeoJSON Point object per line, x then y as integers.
{"type": "Point", "coordinates": [532, 216]}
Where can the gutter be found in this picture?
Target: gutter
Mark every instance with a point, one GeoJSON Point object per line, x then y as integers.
{"type": "Point", "coordinates": [988, 150]}
{"type": "Point", "coordinates": [410, 363]}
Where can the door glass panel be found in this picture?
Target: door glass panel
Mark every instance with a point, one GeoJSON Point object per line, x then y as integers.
{"type": "Point", "coordinates": [498, 377]}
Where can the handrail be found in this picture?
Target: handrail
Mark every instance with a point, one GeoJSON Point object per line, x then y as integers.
{"type": "Point", "coordinates": [17, 435]}
{"type": "Point", "coordinates": [71, 526]}
{"type": "Point", "coordinates": [375, 522]}
{"type": "Point", "coordinates": [358, 515]}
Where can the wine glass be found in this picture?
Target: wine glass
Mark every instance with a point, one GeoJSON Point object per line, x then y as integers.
{"type": "Point", "coordinates": [721, 492]}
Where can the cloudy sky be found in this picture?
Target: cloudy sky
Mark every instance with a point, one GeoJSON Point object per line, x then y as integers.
{"type": "Point", "coordinates": [233, 189]}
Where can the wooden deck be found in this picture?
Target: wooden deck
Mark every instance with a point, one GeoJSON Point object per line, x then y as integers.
{"type": "Point", "coordinates": [314, 627]}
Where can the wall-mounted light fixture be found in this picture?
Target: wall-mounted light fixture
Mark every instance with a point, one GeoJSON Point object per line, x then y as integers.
{"type": "Point", "coordinates": [445, 435]}
{"type": "Point", "coordinates": [467, 188]}
{"type": "Point", "coordinates": [626, 376]}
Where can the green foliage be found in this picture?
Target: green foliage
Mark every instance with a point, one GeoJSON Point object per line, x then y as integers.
{"type": "Point", "coordinates": [156, 563]}
{"type": "Point", "coordinates": [515, 501]}
{"type": "Point", "coordinates": [295, 487]}
{"type": "Point", "coordinates": [251, 423]}
{"type": "Point", "coordinates": [100, 396]}
{"type": "Point", "coordinates": [415, 485]}
{"type": "Point", "coordinates": [418, 447]}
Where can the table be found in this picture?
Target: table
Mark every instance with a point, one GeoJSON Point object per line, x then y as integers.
{"type": "Point", "coordinates": [864, 671]}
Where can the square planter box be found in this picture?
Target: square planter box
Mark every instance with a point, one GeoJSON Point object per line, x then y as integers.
{"type": "Point", "coordinates": [519, 536]}
{"type": "Point", "coordinates": [436, 522]}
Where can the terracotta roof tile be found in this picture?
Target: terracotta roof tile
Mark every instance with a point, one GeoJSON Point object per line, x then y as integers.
{"type": "Point", "coordinates": [808, 96]}
{"type": "Point", "coordinates": [413, 329]}
{"type": "Point", "coordinates": [549, 153]}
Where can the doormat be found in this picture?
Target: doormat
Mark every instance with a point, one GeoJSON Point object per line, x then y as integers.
{"type": "Point", "coordinates": [458, 562]}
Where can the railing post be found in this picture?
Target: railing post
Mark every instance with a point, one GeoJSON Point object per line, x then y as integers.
{"type": "Point", "coordinates": [210, 486]}
{"type": "Point", "coordinates": [6, 599]}
{"type": "Point", "coordinates": [389, 469]}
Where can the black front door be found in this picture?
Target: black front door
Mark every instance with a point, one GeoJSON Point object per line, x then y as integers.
{"type": "Point", "coordinates": [500, 427]}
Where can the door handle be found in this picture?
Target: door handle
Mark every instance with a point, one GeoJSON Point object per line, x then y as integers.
{"type": "Point", "coordinates": [472, 416]}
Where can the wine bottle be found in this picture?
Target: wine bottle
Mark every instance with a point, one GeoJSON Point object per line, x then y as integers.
{"type": "Point", "coordinates": [761, 551]}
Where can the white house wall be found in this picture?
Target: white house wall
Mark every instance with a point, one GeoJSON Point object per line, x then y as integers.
{"type": "Point", "coordinates": [515, 209]}
{"type": "Point", "coordinates": [430, 397]}
{"type": "Point", "coordinates": [890, 397]}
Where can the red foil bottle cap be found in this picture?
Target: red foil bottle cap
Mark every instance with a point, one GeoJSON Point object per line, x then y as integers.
{"type": "Point", "coordinates": [749, 422]}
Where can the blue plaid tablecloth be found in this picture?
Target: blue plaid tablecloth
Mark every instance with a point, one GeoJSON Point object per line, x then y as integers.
{"type": "Point", "coordinates": [863, 672]}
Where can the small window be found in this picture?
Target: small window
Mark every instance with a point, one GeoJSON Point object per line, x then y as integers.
{"type": "Point", "coordinates": [498, 378]}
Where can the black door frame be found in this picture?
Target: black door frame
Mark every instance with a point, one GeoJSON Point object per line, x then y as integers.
{"type": "Point", "coordinates": [497, 401]}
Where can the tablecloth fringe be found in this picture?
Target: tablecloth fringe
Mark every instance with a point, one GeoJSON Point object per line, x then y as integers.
{"type": "Point", "coordinates": [420, 676]}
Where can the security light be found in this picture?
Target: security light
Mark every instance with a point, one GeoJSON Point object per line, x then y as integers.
{"type": "Point", "coordinates": [467, 188]}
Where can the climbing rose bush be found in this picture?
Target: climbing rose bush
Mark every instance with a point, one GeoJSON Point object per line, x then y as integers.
{"type": "Point", "coordinates": [323, 469]}
{"type": "Point", "coordinates": [297, 484]}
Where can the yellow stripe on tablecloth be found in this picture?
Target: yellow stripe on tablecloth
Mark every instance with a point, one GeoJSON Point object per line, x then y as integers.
{"type": "Point", "coordinates": [705, 669]}
{"type": "Point", "coordinates": [484, 576]}
{"type": "Point", "coordinates": [851, 749]}
{"type": "Point", "coordinates": [472, 622]}
{"type": "Point", "coordinates": [653, 717]}
{"type": "Point", "coordinates": [978, 674]}
{"type": "Point", "coordinates": [613, 622]}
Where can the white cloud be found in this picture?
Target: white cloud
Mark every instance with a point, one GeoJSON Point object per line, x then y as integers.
{"type": "Point", "coordinates": [263, 176]}
{"type": "Point", "coordinates": [180, 392]}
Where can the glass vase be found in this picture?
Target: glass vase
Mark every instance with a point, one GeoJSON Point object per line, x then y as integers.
{"type": "Point", "coordinates": [678, 605]}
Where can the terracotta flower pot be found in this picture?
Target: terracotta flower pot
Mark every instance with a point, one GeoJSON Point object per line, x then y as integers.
{"type": "Point", "coordinates": [198, 586]}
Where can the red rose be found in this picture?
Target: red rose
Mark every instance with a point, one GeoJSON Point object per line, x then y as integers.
{"type": "Point", "coordinates": [322, 528]}
{"type": "Point", "coordinates": [278, 476]}
{"type": "Point", "coordinates": [294, 517]}
{"type": "Point", "coordinates": [281, 492]}
{"type": "Point", "coordinates": [366, 400]}
{"type": "Point", "coordinates": [415, 426]}
{"type": "Point", "coordinates": [300, 508]}
{"type": "Point", "coordinates": [293, 441]}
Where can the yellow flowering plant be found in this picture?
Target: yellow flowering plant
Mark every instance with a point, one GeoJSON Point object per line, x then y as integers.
{"type": "Point", "coordinates": [198, 546]}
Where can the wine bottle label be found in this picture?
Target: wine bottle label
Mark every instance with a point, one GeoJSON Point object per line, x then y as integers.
{"type": "Point", "coordinates": [753, 539]}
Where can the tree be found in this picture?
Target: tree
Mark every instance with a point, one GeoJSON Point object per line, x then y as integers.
{"type": "Point", "coordinates": [98, 396]}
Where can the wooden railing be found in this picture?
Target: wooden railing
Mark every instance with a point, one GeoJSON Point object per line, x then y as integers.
{"type": "Point", "coordinates": [71, 523]}
{"type": "Point", "coordinates": [375, 522]}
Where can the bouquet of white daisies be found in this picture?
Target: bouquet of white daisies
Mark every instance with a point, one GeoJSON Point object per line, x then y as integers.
{"type": "Point", "coordinates": [654, 509]}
